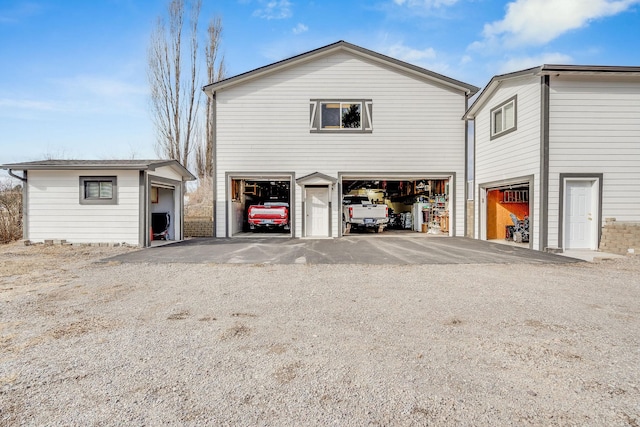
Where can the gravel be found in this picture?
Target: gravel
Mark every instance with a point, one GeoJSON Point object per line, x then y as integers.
{"type": "Point", "coordinates": [84, 342]}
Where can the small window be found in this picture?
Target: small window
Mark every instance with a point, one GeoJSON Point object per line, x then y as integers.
{"type": "Point", "coordinates": [503, 118]}
{"type": "Point", "coordinates": [98, 190]}
{"type": "Point", "coordinates": [515, 196]}
{"type": "Point", "coordinates": [340, 116]}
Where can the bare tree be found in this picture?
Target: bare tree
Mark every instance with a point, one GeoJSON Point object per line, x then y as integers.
{"type": "Point", "coordinates": [175, 97]}
{"type": "Point", "coordinates": [215, 72]}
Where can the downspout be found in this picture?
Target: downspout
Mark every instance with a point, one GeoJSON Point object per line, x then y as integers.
{"type": "Point", "coordinates": [465, 177]}
{"type": "Point", "coordinates": [544, 163]}
{"type": "Point", "coordinates": [143, 223]}
{"type": "Point", "coordinates": [23, 178]}
{"type": "Point", "coordinates": [182, 193]}
{"type": "Point", "coordinates": [214, 171]}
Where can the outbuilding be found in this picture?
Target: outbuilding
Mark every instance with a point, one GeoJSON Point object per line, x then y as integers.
{"type": "Point", "coordinates": [340, 121]}
{"type": "Point", "coordinates": [557, 154]}
{"type": "Point", "coordinates": [102, 201]}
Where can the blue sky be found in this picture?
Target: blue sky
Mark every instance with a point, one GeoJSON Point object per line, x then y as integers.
{"type": "Point", "coordinates": [73, 72]}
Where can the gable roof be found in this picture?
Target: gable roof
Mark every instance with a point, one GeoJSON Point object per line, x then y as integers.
{"type": "Point", "coordinates": [542, 70]}
{"type": "Point", "coordinates": [316, 178]}
{"type": "Point", "coordinates": [341, 45]}
{"type": "Point", "coordinates": [100, 165]}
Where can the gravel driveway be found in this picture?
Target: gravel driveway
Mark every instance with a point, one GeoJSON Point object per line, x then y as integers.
{"type": "Point", "coordinates": [108, 343]}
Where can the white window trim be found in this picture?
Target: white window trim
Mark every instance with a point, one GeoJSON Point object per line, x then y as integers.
{"type": "Point", "coordinates": [501, 108]}
{"type": "Point", "coordinates": [366, 115]}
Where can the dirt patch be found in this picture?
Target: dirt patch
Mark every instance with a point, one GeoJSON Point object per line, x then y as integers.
{"type": "Point", "coordinates": [84, 342]}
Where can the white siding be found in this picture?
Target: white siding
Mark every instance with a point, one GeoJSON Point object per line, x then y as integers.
{"type": "Point", "coordinates": [263, 126]}
{"type": "Point", "coordinates": [166, 172]}
{"type": "Point", "coordinates": [595, 128]}
{"type": "Point", "coordinates": [55, 212]}
{"type": "Point", "coordinates": [513, 155]}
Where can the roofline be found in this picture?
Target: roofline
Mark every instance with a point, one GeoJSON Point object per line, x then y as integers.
{"type": "Point", "coordinates": [609, 69]}
{"type": "Point", "coordinates": [114, 166]}
{"type": "Point", "coordinates": [294, 60]}
{"type": "Point", "coordinates": [546, 69]}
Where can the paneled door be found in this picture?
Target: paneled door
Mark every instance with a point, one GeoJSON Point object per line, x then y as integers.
{"type": "Point", "coordinates": [317, 211]}
{"type": "Point", "coordinates": [580, 218]}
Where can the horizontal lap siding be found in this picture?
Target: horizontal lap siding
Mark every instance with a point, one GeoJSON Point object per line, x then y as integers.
{"type": "Point", "coordinates": [55, 212]}
{"type": "Point", "coordinates": [515, 154]}
{"type": "Point", "coordinates": [595, 128]}
{"type": "Point", "coordinates": [263, 125]}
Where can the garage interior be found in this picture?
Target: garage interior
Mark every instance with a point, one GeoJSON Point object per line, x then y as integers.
{"type": "Point", "coordinates": [415, 205]}
{"type": "Point", "coordinates": [250, 192]}
{"type": "Point", "coordinates": [508, 214]}
{"type": "Point", "coordinates": [162, 210]}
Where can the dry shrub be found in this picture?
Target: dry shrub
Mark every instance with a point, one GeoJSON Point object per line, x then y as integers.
{"type": "Point", "coordinates": [10, 211]}
{"type": "Point", "coordinates": [200, 200]}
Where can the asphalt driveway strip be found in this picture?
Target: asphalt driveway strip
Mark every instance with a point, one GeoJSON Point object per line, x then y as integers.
{"type": "Point", "coordinates": [404, 250]}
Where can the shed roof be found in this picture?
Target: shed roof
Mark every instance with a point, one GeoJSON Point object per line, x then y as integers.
{"type": "Point", "coordinates": [547, 69]}
{"type": "Point", "coordinates": [100, 165]}
{"type": "Point", "coordinates": [347, 47]}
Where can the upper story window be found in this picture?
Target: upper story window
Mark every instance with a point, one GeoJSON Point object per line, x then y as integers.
{"type": "Point", "coordinates": [340, 116]}
{"type": "Point", "coordinates": [503, 118]}
{"type": "Point", "coordinates": [98, 190]}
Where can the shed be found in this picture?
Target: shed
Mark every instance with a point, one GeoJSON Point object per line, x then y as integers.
{"type": "Point", "coordinates": [102, 201]}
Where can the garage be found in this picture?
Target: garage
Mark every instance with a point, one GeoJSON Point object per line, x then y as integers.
{"type": "Point", "coordinates": [260, 205]}
{"type": "Point", "coordinates": [507, 210]}
{"type": "Point", "coordinates": [419, 203]}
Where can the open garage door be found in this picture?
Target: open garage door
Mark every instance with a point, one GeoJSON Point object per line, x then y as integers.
{"type": "Point", "coordinates": [413, 204]}
{"type": "Point", "coordinates": [507, 216]}
{"type": "Point", "coordinates": [260, 205]}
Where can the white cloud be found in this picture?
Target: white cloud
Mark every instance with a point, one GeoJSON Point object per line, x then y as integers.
{"type": "Point", "coordinates": [274, 9]}
{"type": "Point", "coordinates": [536, 22]}
{"type": "Point", "coordinates": [408, 54]}
{"type": "Point", "coordinates": [27, 104]}
{"type": "Point", "coordinates": [466, 59]}
{"type": "Point", "coordinates": [426, 58]}
{"type": "Point", "coordinates": [300, 28]}
{"type": "Point", "coordinates": [426, 4]}
{"type": "Point", "coordinates": [20, 12]}
{"type": "Point", "coordinates": [102, 86]}
{"type": "Point", "coordinates": [524, 62]}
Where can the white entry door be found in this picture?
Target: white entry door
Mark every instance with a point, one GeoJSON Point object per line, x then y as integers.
{"type": "Point", "coordinates": [580, 217]}
{"type": "Point", "coordinates": [317, 211]}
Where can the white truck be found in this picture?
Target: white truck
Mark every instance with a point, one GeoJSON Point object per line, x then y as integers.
{"type": "Point", "coordinates": [359, 212]}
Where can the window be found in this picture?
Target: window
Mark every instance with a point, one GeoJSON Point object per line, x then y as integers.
{"type": "Point", "coordinates": [503, 118]}
{"type": "Point", "coordinates": [340, 116]}
{"type": "Point", "coordinates": [98, 190]}
{"type": "Point", "coordinates": [515, 196]}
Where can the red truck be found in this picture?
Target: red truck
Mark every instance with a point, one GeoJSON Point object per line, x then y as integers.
{"type": "Point", "coordinates": [269, 215]}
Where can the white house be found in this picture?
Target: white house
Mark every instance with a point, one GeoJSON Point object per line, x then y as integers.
{"type": "Point", "coordinates": [102, 201]}
{"type": "Point", "coordinates": [561, 144]}
{"type": "Point", "coordinates": [336, 120]}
